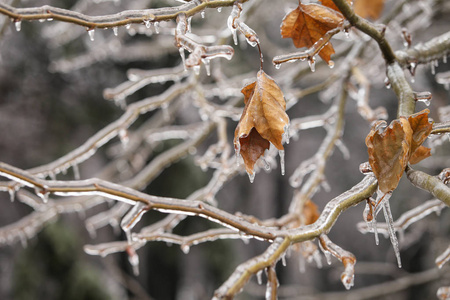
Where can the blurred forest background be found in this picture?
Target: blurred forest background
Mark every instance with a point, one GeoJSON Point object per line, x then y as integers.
{"type": "Point", "coordinates": [52, 78]}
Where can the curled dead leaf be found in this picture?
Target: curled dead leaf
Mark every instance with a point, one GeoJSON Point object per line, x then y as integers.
{"type": "Point", "coordinates": [310, 212]}
{"type": "Point", "coordinates": [263, 120]}
{"type": "Point", "coordinates": [400, 143]}
{"type": "Point", "coordinates": [308, 23]}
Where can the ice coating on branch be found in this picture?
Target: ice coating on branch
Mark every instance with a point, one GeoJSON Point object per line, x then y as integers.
{"type": "Point", "coordinates": [133, 216]}
{"type": "Point", "coordinates": [443, 258]}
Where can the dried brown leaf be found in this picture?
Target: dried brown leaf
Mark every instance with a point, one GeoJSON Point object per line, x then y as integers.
{"type": "Point", "coordinates": [391, 150]}
{"type": "Point", "coordinates": [263, 120]}
{"type": "Point", "coordinates": [308, 23]}
{"type": "Point", "coordinates": [389, 153]}
{"type": "Point", "coordinates": [369, 9]}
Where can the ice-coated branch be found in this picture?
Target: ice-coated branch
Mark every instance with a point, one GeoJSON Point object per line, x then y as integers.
{"type": "Point", "coordinates": [244, 271]}
{"type": "Point", "coordinates": [429, 183]}
{"type": "Point", "coordinates": [103, 136]}
{"type": "Point", "coordinates": [443, 258]}
{"type": "Point", "coordinates": [402, 89]}
{"type": "Point", "coordinates": [368, 28]}
{"type": "Point", "coordinates": [422, 53]}
{"type": "Point", "coordinates": [143, 16]}
{"type": "Point", "coordinates": [347, 259]}
{"type": "Point", "coordinates": [316, 164]}
{"type": "Point", "coordinates": [309, 53]}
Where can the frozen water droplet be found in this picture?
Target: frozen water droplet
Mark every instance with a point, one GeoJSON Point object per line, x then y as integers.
{"type": "Point", "coordinates": [185, 248]}
{"type": "Point", "coordinates": [18, 25]}
{"type": "Point", "coordinates": [128, 26]}
{"type": "Point", "coordinates": [348, 280]}
{"type": "Point", "coordinates": [42, 193]}
{"type": "Point", "coordinates": [331, 64]}
{"type": "Point", "coordinates": [91, 34]}
{"type": "Point", "coordinates": [207, 66]}
{"type": "Point", "coordinates": [165, 111]}
{"type": "Point", "coordinates": [259, 277]}
{"type": "Point", "coordinates": [116, 31]}
{"type": "Point", "coordinates": [42, 20]}
{"type": "Point", "coordinates": [147, 23]}
{"type": "Point", "coordinates": [219, 9]}
{"type": "Point", "coordinates": [203, 14]}
{"type": "Point", "coordinates": [281, 153]}
{"type": "Point", "coordinates": [124, 138]}
{"type": "Point", "coordinates": [387, 83]}
{"type": "Point", "coordinates": [277, 66]}
{"type": "Point", "coordinates": [49, 19]}
{"type": "Point", "coordinates": [156, 24]}
{"type": "Point", "coordinates": [251, 176]}
{"type": "Point", "coordinates": [312, 64]}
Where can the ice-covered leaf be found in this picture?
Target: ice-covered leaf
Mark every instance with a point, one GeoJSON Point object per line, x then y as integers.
{"type": "Point", "coordinates": [391, 150]}
{"type": "Point", "coordinates": [369, 9]}
{"type": "Point", "coordinates": [389, 153]}
{"type": "Point", "coordinates": [263, 120]}
{"type": "Point", "coordinates": [308, 23]}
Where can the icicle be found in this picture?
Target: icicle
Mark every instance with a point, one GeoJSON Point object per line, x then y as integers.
{"type": "Point", "coordinates": [189, 24]}
{"type": "Point", "coordinates": [331, 64]}
{"type": "Point", "coordinates": [259, 277]}
{"type": "Point", "coordinates": [277, 66]}
{"type": "Point", "coordinates": [12, 193]}
{"type": "Point", "coordinates": [312, 64]}
{"type": "Point", "coordinates": [183, 57]}
{"type": "Point", "coordinates": [433, 69]}
{"type": "Point", "coordinates": [133, 216]}
{"type": "Point", "coordinates": [219, 9]}
{"type": "Point", "coordinates": [116, 31]}
{"type": "Point", "coordinates": [285, 135]}
{"type": "Point", "coordinates": [301, 264]}
{"type": "Point", "coordinates": [128, 26]}
{"type": "Point", "coordinates": [237, 149]}
{"type": "Point", "coordinates": [165, 111]}
{"type": "Point", "coordinates": [133, 258]}
{"type": "Point", "coordinates": [42, 193]}
{"type": "Point", "coordinates": [207, 66]}
{"type": "Point", "coordinates": [202, 14]}
{"type": "Point", "coordinates": [156, 24]}
{"type": "Point", "coordinates": [185, 248]}
{"type": "Point", "coordinates": [91, 34]}
{"type": "Point", "coordinates": [444, 58]}
{"type": "Point", "coordinates": [18, 25]}
{"type": "Point", "coordinates": [281, 153]}
{"type": "Point", "coordinates": [348, 280]}
{"type": "Point", "coordinates": [123, 135]}
{"type": "Point", "coordinates": [251, 176]}
{"type": "Point", "coordinates": [196, 70]}
{"type": "Point", "coordinates": [76, 172]}
{"type": "Point", "coordinates": [391, 228]}
{"type": "Point", "coordinates": [283, 260]}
